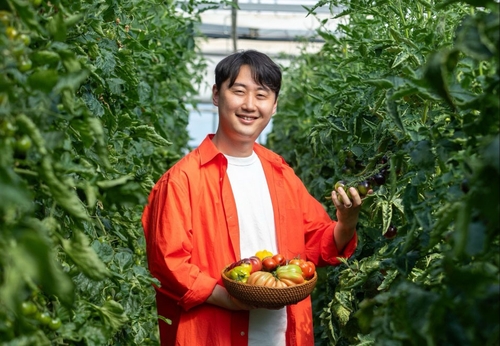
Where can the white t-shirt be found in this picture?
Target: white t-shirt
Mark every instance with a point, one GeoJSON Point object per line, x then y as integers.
{"type": "Point", "coordinates": [257, 232]}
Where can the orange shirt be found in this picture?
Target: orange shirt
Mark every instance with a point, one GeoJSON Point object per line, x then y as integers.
{"type": "Point", "coordinates": [191, 230]}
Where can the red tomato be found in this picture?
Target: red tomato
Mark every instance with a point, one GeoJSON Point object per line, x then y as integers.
{"type": "Point", "coordinates": [269, 264]}
{"type": "Point", "coordinates": [296, 261]}
{"type": "Point", "coordinates": [307, 269]}
{"type": "Point", "coordinates": [280, 259]}
{"type": "Point", "coordinates": [256, 263]}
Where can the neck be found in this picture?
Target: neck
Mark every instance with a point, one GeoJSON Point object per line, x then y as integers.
{"type": "Point", "coordinates": [232, 148]}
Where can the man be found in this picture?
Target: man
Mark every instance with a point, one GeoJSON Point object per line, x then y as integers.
{"type": "Point", "coordinates": [226, 200]}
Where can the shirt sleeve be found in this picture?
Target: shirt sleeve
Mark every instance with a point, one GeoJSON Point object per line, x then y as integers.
{"type": "Point", "coordinates": [168, 233]}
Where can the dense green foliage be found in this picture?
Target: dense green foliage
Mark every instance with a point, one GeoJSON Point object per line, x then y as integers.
{"type": "Point", "coordinates": [93, 99]}
{"type": "Point", "coordinates": [409, 90]}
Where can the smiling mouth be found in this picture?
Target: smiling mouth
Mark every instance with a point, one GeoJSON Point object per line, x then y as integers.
{"type": "Point", "coordinates": [246, 117]}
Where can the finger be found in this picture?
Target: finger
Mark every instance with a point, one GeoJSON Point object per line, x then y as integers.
{"type": "Point", "coordinates": [339, 201]}
{"type": "Point", "coordinates": [355, 197]}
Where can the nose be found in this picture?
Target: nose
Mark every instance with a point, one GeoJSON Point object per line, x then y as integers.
{"type": "Point", "coordinates": [249, 103]}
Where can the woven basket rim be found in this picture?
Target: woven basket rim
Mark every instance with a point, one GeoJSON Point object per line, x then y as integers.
{"type": "Point", "coordinates": [308, 282]}
{"type": "Point", "coordinates": [268, 297]}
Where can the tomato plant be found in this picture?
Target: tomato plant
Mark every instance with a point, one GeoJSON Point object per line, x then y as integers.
{"type": "Point", "coordinates": [398, 101]}
{"type": "Point", "coordinates": [93, 109]}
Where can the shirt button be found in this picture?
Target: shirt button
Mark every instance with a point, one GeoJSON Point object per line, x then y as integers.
{"type": "Point", "coordinates": [242, 333]}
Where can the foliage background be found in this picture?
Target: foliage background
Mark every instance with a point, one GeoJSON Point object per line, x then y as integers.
{"type": "Point", "coordinates": [409, 90]}
{"type": "Point", "coordinates": [93, 99]}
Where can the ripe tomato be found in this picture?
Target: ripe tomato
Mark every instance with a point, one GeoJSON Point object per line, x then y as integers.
{"type": "Point", "coordinates": [256, 263]}
{"type": "Point", "coordinates": [391, 232]}
{"type": "Point", "coordinates": [261, 278]}
{"type": "Point", "coordinates": [308, 269]}
{"type": "Point", "coordinates": [280, 259]}
{"type": "Point", "coordinates": [263, 254]}
{"type": "Point", "coordinates": [296, 261]}
{"type": "Point", "coordinates": [269, 264]}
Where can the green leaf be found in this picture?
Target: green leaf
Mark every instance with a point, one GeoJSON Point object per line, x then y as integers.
{"type": "Point", "coordinates": [392, 110]}
{"type": "Point", "coordinates": [380, 83]}
{"type": "Point", "coordinates": [64, 195]}
{"type": "Point", "coordinates": [400, 58]}
{"type": "Point", "coordinates": [436, 74]}
{"type": "Point", "coordinates": [113, 314]}
{"type": "Point", "coordinates": [386, 215]}
{"type": "Point", "coordinates": [149, 133]}
{"type": "Point", "coordinates": [78, 249]}
{"type": "Point", "coordinates": [43, 80]}
{"type": "Point", "coordinates": [107, 184]}
{"type": "Point", "coordinates": [56, 27]}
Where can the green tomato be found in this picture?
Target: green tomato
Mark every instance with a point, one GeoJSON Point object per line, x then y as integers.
{"type": "Point", "coordinates": [241, 272]}
{"type": "Point", "coordinates": [36, 2]}
{"type": "Point", "coordinates": [44, 318]}
{"type": "Point", "coordinates": [7, 128]}
{"type": "Point", "coordinates": [55, 323]}
{"type": "Point", "coordinates": [11, 32]}
{"type": "Point", "coordinates": [5, 17]}
{"type": "Point", "coordinates": [340, 183]}
{"type": "Point", "coordinates": [363, 188]}
{"type": "Point", "coordinates": [28, 308]}
{"type": "Point", "coordinates": [25, 39]}
{"type": "Point", "coordinates": [24, 64]}
{"type": "Point", "coordinates": [23, 144]}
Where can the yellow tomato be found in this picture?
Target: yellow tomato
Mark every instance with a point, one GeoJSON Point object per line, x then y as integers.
{"type": "Point", "coordinates": [263, 254]}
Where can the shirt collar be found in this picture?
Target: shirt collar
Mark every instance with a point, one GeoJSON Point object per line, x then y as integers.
{"type": "Point", "coordinates": [208, 152]}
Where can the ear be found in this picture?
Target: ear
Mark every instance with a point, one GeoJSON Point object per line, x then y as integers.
{"type": "Point", "coordinates": [215, 95]}
{"type": "Point", "coordinates": [275, 107]}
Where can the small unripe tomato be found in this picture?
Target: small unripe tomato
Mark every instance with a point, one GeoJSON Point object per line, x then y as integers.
{"type": "Point", "coordinates": [23, 144]}
{"type": "Point", "coordinates": [55, 323]}
{"type": "Point", "coordinates": [25, 39]}
{"type": "Point", "coordinates": [363, 188]}
{"type": "Point", "coordinates": [11, 32]}
{"type": "Point", "coordinates": [44, 318]}
{"type": "Point", "coordinates": [340, 183]}
{"type": "Point", "coordinates": [28, 308]}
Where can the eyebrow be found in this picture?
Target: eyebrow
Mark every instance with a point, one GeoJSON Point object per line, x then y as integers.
{"type": "Point", "coordinates": [260, 87]}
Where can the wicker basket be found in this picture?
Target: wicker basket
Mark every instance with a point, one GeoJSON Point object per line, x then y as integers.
{"type": "Point", "coordinates": [268, 297]}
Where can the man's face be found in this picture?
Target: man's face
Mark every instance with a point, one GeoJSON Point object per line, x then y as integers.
{"type": "Point", "coordinates": [245, 109]}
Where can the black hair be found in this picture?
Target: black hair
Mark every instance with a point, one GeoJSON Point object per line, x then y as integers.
{"type": "Point", "coordinates": [265, 72]}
